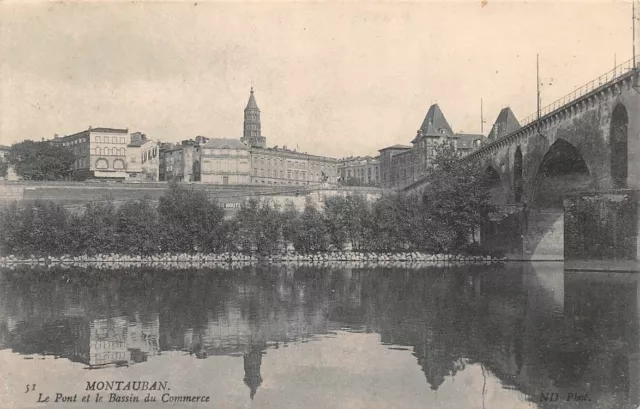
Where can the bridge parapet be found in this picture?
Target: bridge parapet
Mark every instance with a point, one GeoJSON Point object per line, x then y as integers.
{"type": "Point", "coordinates": [583, 97]}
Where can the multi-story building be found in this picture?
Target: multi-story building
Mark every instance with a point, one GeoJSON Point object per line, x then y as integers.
{"type": "Point", "coordinates": [225, 162]}
{"type": "Point", "coordinates": [361, 171]}
{"type": "Point", "coordinates": [282, 166]}
{"type": "Point", "coordinates": [402, 165]}
{"type": "Point", "coordinates": [181, 162]}
{"type": "Point", "coordinates": [142, 158]}
{"type": "Point", "coordinates": [387, 175]}
{"type": "Point", "coordinates": [100, 152]}
{"type": "Point", "coordinates": [274, 166]}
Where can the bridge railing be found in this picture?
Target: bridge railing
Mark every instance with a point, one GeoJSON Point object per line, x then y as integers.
{"type": "Point", "coordinates": [617, 72]}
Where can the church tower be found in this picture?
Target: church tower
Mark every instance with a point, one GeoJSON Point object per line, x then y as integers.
{"type": "Point", "coordinates": [252, 135]}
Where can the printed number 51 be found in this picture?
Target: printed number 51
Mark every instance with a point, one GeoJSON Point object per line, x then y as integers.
{"type": "Point", "coordinates": [30, 388]}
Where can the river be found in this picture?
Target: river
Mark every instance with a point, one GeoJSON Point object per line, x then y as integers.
{"type": "Point", "coordinates": [515, 336]}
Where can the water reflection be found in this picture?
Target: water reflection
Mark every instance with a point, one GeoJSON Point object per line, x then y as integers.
{"type": "Point", "coordinates": [538, 330]}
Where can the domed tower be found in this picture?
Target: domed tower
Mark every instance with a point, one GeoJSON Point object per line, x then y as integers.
{"type": "Point", "coordinates": [252, 135]}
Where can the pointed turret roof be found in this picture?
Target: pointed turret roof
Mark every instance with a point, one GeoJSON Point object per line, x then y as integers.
{"type": "Point", "coordinates": [252, 102]}
{"type": "Point", "coordinates": [505, 123]}
{"type": "Point", "coordinates": [436, 118]}
{"type": "Point", "coordinates": [434, 124]}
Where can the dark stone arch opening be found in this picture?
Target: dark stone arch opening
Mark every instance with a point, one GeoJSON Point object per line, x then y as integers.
{"type": "Point", "coordinates": [619, 146]}
{"type": "Point", "coordinates": [493, 185]}
{"type": "Point", "coordinates": [517, 176]}
{"type": "Point", "coordinates": [562, 171]}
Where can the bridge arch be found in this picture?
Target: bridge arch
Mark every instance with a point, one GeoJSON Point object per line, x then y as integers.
{"type": "Point", "coordinates": [562, 170]}
{"type": "Point", "coordinates": [619, 146]}
{"type": "Point", "coordinates": [493, 185]}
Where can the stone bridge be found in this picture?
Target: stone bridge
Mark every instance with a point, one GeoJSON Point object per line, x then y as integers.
{"type": "Point", "coordinates": [588, 141]}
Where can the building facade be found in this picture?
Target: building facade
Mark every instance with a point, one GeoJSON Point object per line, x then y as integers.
{"type": "Point", "coordinates": [181, 162]}
{"type": "Point", "coordinates": [100, 153]}
{"type": "Point", "coordinates": [402, 165]}
{"type": "Point", "coordinates": [272, 166]}
{"type": "Point", "coordinates": [143, 163]}
{"type": "Point", "coordinates": [360, 171]}
{"type": "Point", "coordinates": [388, 172]}
{"type": "Point", "coordinates": [282, 166]}
{"type": "Point", "coordinates": [225, 162]}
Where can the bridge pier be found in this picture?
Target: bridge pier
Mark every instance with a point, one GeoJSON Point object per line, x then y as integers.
{"type": "Point", "coordinates": [602, 229]}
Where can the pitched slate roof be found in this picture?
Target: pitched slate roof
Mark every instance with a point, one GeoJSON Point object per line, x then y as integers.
{"type": "Point", "coordinates": [505, 123]}
{"type": "Point", "coordinates": [436, 118]}
{"type": "Point", "coordinates": [434, 124]}
{"type": "Point", "coordinates": [395, 147]}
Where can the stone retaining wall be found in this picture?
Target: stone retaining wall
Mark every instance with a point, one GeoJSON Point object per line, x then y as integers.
{"type": "Point", "coordinates": [203, 260]}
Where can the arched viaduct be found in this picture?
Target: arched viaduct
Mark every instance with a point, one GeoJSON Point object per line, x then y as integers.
{"type": "Point", "coordinates": [581, 155]}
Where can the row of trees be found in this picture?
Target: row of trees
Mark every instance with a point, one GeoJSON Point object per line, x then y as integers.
{"type": "Point", "coordinates": [185, 220]}
{"type": "Point", "coordinates": [39, 160]}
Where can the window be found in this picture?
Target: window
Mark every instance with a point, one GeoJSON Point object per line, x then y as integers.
{"type": "Point", "coordinates": [114, 140]}
{"type": "Point", "coordinates": [98, 151]}
{"type": "Point", "coordinates": [102, 164]}
{"type": "Point", "coordinates": [122, 140]}
{"type": "Point", "coordinates": [225, 180]}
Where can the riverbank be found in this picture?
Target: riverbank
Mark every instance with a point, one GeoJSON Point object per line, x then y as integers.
{"type": "Point", "coordinates": [200, 259]}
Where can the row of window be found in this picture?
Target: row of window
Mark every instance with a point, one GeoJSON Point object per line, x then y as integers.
{"type": "Point", "coordinates": [103, 163]}
{"type": "Point", "coordinates": [74, 142]}
{"type": "Point", "coordinates": [111, 151]}
{"type": "Point", "coordinates": [110, 139]}
{"type": "Point", "coordinates": [292, 163]}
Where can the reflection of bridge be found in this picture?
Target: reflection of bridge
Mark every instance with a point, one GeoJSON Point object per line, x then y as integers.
{"type": "Point", "coordinates": [587, 141]}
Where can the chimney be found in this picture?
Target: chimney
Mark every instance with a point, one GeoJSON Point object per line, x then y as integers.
{"type": "Point", "coordinates": [55, 136]}
{"type": "Point", "coordinates": [90, 127]}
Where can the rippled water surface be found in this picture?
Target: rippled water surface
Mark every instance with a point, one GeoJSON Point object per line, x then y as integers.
{"type": "Point", "coordinates": [519, 336]}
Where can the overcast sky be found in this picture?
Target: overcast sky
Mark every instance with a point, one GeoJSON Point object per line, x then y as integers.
{"type": "Point", "coordinates": [332, 78]}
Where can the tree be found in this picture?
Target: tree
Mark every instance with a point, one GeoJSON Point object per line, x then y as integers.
{"type": "Point", "coordinates": [454, 199]}
{"type": "Point", "coordinates": [137, 228]}
{"type": "Point", "coordinates": [189, 221]}
{"type": "Point", "coordinates": [4, 168]}
{"type": "Point", "coordinates": [41, 160]}
{"type": "Point", "coordinates": [348, 220]}
{"type": "Point", "coordinates": [291, 226]}
{"type": "Point", "coordinates": [314, 235]}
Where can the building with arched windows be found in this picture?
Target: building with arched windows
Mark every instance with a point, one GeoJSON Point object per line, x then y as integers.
{"type": "Point", "coordinates": [100, 153]}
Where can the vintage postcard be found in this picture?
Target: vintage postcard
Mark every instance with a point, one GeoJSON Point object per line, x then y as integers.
{"type": "Point", "coordinates": [320, 204]}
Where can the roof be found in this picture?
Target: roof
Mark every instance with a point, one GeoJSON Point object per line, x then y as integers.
{"type": "Point", "coordinates": [436, 118]}
{"type": "Point", "coordinates": [395, 147]}
{"type": "Point", "coordinates": [109, 130]}
{"type": "Point", "coordinates": [224, 143]}
{"type": "Point", "coordinates": [469, 136]}
{"type": "Point", "coordinates": [252, 102]}
{"type": "Point", "coordinates": [139, 143]}
{"type": "Point", "coordinates": [105, 130]}
{"type": "Point", "coordinates": [505, 123]}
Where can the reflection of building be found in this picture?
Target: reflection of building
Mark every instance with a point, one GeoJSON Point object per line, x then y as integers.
{"type": "Point", "coordinates": [99, 152]}
{"type": "Point", "coordinates": [360, 171]}
{"type": "Point", "coordinates": [252, 361]}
